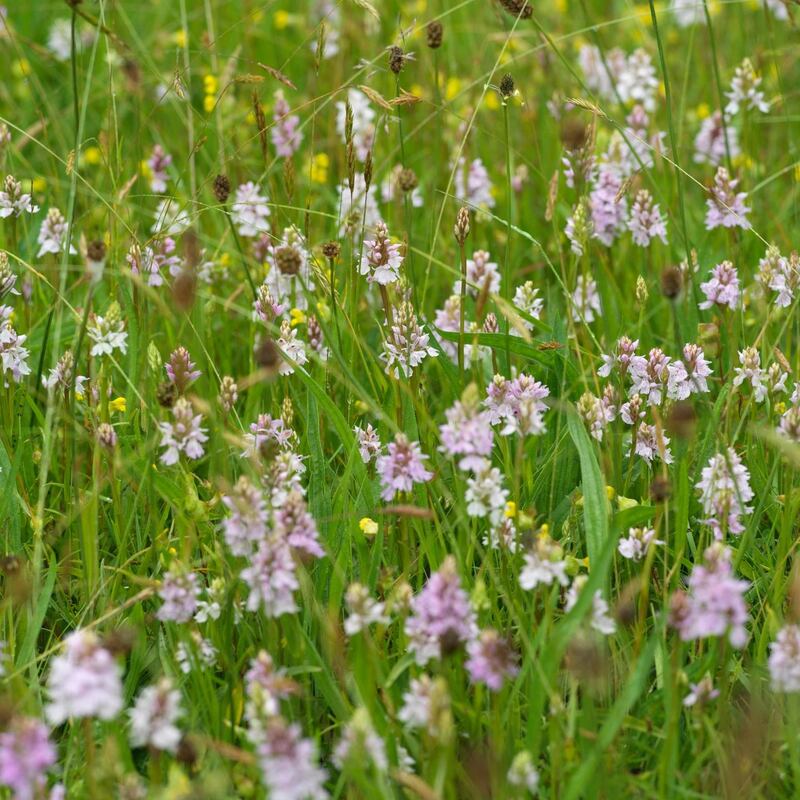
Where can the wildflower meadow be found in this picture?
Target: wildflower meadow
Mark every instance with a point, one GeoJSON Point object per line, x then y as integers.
{"type": "Point", "coordinates": [400, 399]}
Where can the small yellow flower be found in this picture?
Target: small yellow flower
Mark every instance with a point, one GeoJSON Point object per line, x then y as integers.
{"type": "Point", "coordinates": [296, 317]}
{"type": "Point", "coordinates": [561, 6]}
{"type": "Point", "coordinates": [610, 492]}
{"type": "Point", "coordinates": [180, 38]}
{"type": "Point", "coordinates": [209, 101]}
{"type": "Point", "coordinates": [144, 169]}
{"type": "Point", "coordinates": [210, 84]}
{"type": "Point", "coordinates": [118, 404]}
{"type": "Point", "coordinates": [281, 19]}
{"type": "Point", "coordinates": [92, 155]}
{"type": "Point", "coordinates": [544, 530]}
{"type": "Point", "coordinates": [251, 118]}
{"type": "Point", "coordinates": [511, 509]}
{"type": "Point", "coordinates": [626, 502]}
{"type": "Point", "coordinates": [38, 184]}
{"type": "Point", "coordinates": [491, 100]}
{"type": "Point", "coordinates": [703, 110]}
{"type": "Point", "coordinates": [418, 90]}
{"type": "Point", "coordinates": [323, 311]}
{"type": "Point", "coordinates": [368, 526]}
{"type": "Point", "coordinates": [172, 551]}
{"type": "Point", "coordinates": [780, 407]}
{"type": "Point", "coordinates": [319, 168]}
{"type": "Point", "coordinates": [225, 260]}
{"type": "Point", "coordinates": [21, 68]}
{"type": "Point", "coordinates": [452, 88]}
{"type": "Point", "coordinates": [361, 407]}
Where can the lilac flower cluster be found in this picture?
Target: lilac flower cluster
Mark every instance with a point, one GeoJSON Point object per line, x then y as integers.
{"type": "Point", "coordinates": [653, 380]}
{"type": "Point", "coordinates": [714, 604]}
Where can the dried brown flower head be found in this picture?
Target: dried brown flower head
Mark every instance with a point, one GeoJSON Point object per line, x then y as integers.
{"type": "Point", "coordinates": [507, 87]}
{"type": "Point", "coordinates": [407, 180]}
{"type": "Point", "coordinates": [682, 420]}
{"type": "Point", "coordinates": [519, 8]}
{"type": "Point", "coordinates": [397, 59]}
{"type": "Point", "coordinates": [435, 33]}
{"type": "Point", "coordinates": [166, 394]}
{"type": "Point", "coordinates": [96, 250]}
{"type": "Point", "coordinates": [288, 260]}
{"type": "Point", "coordinates": [331, 250]}
{"type": "Point", "coordinates": [222, 188]}
{"type": "Point", "coordinates": [671, 282]}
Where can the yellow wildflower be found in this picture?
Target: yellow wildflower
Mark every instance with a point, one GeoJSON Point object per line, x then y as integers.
{"type": "Point", "coordinates": [319, 167]}
{"type": "Point", "coordinates": [118, 404]}
{"type": "Point", "coordinates": [368, 526]}
{"type": "Point", "coordinates": [418, 90]}
{"type": "Point", "coordinates": [210, 84]}
{"type": "Point", "coordinates": [452, 88]}
{"type": "Point", "coordinates": [92, 155]}
{"type": "Point", "coordinates": [323, 311]}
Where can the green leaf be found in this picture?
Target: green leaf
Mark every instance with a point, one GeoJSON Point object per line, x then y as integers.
{"type": "Point", "coordinates": [548, 357]}
{"type": "Point", "coordinates": [37, 618]}
{"type": "Point", "coordinates": [595, 501]}
{"type": "Point", "coordinates": [633, 687]}
{"type": "Point", "coordinates": [343, 431]}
